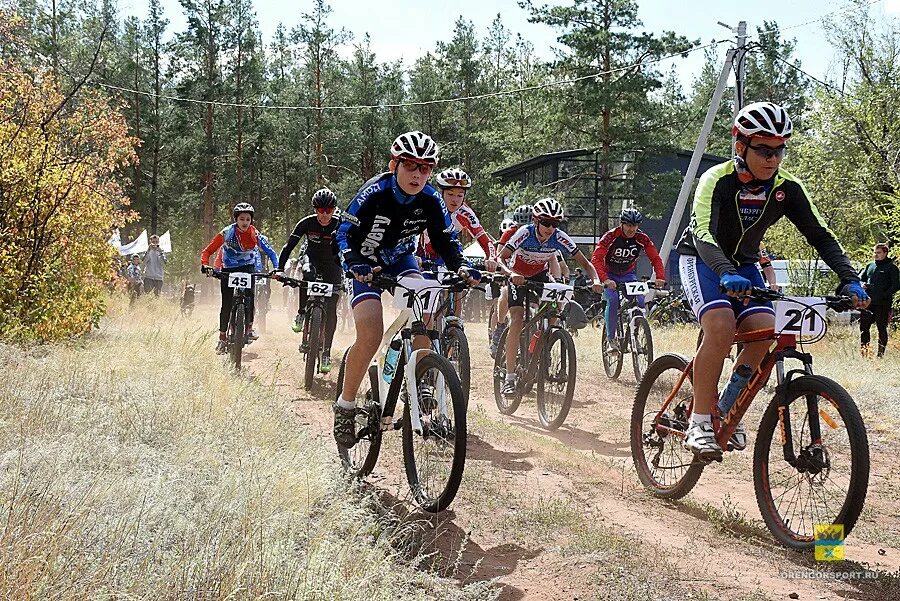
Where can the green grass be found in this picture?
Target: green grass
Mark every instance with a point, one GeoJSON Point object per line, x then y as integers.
{"type": "Point", "coordinates": [133, 464]}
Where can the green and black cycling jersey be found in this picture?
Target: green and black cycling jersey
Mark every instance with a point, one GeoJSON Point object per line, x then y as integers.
{"type": "Point", "coordinates": [730, 217]}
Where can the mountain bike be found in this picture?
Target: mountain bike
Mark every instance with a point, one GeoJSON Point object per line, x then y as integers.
{"type": "Point", "coordinates": [633, 334]}
{"type": "Point", "coordinates": [545, 358]}
{"type": "Point", "coordinates": [451, 341]}
{"type": "Point", "coordinates": [317, 295]}
{"type": "Point", "coordinates": [263, 294]}
{"type": "Point", "coordinates": [670, 309]}
{"type": "Point", "coordinates": [434, 412]}
{"type": "Point", "coordinates": [811, 456]}
{"type": "Point", "coordinates": [236, 337]}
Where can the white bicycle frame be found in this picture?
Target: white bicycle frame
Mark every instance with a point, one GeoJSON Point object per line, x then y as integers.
{"type": "Point", "coordinates": [409, 372]}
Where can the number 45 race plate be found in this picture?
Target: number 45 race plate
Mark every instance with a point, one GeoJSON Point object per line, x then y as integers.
{"type": "Point", "coordinates": [793, 317]}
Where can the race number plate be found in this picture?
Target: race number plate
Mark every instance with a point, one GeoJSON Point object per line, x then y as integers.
{"type": "Point", "coordinates": [425, 291]}
{"type": "Point", "coordinates": [792, 317]}
{"type": "Point", "coordinates": [319, 289]}
{"type": "Point", "coordinates": [556, 292]}
{"type": "Point", "coordinates": [239, 280]}
{"type": "Point", "coordinates": [636, 288]}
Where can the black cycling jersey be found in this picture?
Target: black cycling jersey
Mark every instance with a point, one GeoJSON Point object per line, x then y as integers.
{"type": "Point", "coordinates": [321, 247]}
{"type": "Point", "coordinates": [382, 225]}
{"type": "Point", "coordinates": [730, 218]}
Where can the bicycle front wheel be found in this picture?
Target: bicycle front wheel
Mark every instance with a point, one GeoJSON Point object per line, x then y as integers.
{"type": "Point", "coordinates": [666, 468]}
{"type": "Point", "coordinates": [827, 480]}
{"type": "Point", "coordinates": [313, 335]}
{"type": "Point", "coordinates": [641, 347]}
{"type": "Point", "coordinates": [556, 379]}
{"type": "Point", "coordinates": [435, 457]}
{"type": "Point", "coordinates": [360, 460]}
{"type": "Point", "coordinates": [456, 349]}
{"type": "Point", "coordinates": [238, 335]}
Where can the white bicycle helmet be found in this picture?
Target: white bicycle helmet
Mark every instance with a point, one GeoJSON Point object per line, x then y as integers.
{"type": "Point", "coordinates": [415, 145]}
{"type": "Point", "coordinates": [242, 207]}
{"type": "Point", "coordinates": [547, 208]}
{"type": "Point", "coordinates": [763, 118]}
{"type": "Point", "coordinates": [522, 214]}
{"type": "Point", "coordinates": [453, 178]}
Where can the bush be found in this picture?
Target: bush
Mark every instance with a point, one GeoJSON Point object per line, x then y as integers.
{"type": "Point", "coordinates": [59, 199]}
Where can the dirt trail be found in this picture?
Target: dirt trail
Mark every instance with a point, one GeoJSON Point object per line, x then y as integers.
{"type": "Point", "coordinates": [516, 469]}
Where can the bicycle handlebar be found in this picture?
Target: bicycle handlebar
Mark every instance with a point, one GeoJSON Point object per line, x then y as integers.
{"type": "Point", "coordinates": [837, 303]}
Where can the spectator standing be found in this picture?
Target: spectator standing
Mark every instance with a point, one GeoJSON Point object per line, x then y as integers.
{"type": "Point", "coordinates": [134, 276]}
{"type": "Point", "coordinates": [881, 279]}
{"type": "Point", "coordinates": [154, 266]}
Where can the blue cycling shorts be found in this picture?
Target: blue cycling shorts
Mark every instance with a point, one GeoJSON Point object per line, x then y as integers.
{"type": "Point", "coordinates": [701, 287]}
{"type": "Point", "coordinates": [405, 265]}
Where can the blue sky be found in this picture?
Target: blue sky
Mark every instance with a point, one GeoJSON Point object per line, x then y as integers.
{"type": "Point", "coordinates": [406, 29]}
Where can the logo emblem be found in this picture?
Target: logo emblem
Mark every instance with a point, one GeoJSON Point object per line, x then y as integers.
{"type": "Point", "coordinates": [779, 196]}
{"type": "Point", "coordinates": [829, 542]}
{"type": "Point", "coordinates": [417, 212]}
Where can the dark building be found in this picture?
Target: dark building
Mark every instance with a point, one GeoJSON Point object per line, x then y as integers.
{"type": "Point", "coordinates": [593, 203]}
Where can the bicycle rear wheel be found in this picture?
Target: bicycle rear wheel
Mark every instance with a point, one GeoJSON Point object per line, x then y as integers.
{"type": "Point", "coordinates": [663, 465]}
{"type": "Point", "coordinates": [556, 379]}
{"type": "Point", "coordinates": [361, 459]}
{"type": "Point", "coordinates": [238, 335]}
{"type": "Point", "coordinates": [641, 347]}
{"type": "Point", "coordinates": [504, 405]}
{"type": "Point", "coordinates": [435, 458]}
{"type": "Point", "coordinates": [827, 482]}
{"type": "Point", "coordinates": [456, 349]}
{"type": "Point", "coordinates": [313, 344]}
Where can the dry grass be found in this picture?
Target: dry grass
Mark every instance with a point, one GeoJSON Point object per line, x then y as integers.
{"type": "Point", "coordinates": [135, 466]}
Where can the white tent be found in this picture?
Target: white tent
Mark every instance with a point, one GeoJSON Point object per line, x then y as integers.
{"type": "Point", "coordinates": [165, 242]}
{"type": "Point", "coordinates": [115, 240]}
{"type": "Point", "coordinates": [140, 245]}
{"type": "Point", "coordinates": [474, 251]}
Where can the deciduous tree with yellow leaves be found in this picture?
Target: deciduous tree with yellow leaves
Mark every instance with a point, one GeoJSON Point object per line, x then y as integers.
{"type": "Point", "coordinates": [61, 155]}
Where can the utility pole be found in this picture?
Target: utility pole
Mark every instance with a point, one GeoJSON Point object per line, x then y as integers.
{"type": "Point", "coordinates": [740, 69]}
{"type": "Point", "coordinates": [733, 60]}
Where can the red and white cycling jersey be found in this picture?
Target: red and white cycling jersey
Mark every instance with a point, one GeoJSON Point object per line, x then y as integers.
{"type": "Point", "coordinates": [530, 256]}
{"type": "Point", "coordinates": [463, 219]}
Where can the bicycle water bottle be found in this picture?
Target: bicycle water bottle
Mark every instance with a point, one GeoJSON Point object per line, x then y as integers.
{"type": "Point", "coordinates": [390, 361]}
{"type": "Point", "coordinates": [739, 379]}
{"type": "Point", "coordinates": [534, 338]}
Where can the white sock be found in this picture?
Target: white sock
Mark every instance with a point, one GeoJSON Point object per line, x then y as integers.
{"type": "Point", "coordinates": [511, 377]}
{"type": "Point", "coordinates": [344, 404]}
{"type": "Point", "coordinates": [701, 418]}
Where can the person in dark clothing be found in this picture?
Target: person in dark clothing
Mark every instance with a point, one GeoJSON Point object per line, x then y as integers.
{"type": "Point", "coordinates": [881, 279]}
{"type": "Point", "coordinates": [321, 249]}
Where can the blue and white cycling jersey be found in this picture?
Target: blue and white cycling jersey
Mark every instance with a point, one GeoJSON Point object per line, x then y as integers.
{"type": "Point", "coordinates": [382, 224]}
{"type": "Point", "coordinates": [531, 256]}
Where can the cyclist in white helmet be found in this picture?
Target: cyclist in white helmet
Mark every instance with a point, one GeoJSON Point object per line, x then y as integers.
{"type": "Point", "coordinates": [734, 204]}
{"type": "Point", "coordinates": [532, 248]}
{"type": "Point", "coordinates": [378, 233]}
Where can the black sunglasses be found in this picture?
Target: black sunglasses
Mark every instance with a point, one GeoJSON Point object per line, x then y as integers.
{"type": "Point", "coordinates": [767, 152]}
{"type": "Point", "coordinates": [549, 222]}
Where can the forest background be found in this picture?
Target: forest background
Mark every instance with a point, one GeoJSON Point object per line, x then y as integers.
{"type": "Point", "coordinates": [167, 129]}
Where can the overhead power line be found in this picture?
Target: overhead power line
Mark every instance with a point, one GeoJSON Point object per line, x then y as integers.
{"type": "Point", "coordinates": [356, 107]}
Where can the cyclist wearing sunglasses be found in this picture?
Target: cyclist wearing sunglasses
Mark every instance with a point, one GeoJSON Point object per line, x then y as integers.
{"type": "Point", "coordinates": [321, 249]}
{"type": "Point", "coordinates": [454, 185]}
{"type": "Point", "coordinates": [532, 248]}
{"type": "Point", "coordinates": [615, 260]}
{"type": "Point", "coordinates": [378, 233]}
{"type": "Point", "coordinates": [735, 203]}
